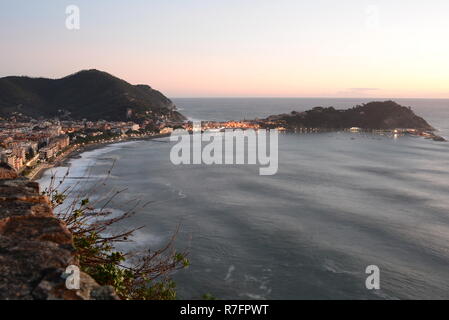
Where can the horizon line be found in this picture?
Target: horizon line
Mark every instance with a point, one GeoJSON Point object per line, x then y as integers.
{"type": "Point", "coordinates": [287, 97]}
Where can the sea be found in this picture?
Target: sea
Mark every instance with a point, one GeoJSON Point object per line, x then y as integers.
{"type": "Point", "coordinates": [339, 203]}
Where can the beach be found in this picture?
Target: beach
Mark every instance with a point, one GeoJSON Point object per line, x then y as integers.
{"type": "Point", "coordinates": [76, 150]}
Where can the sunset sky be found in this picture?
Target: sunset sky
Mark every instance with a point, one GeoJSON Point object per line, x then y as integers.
{"type": "Point", "coordinates": [238, 48]}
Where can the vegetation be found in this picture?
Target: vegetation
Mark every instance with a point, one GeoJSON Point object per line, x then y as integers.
{"type": "Point", "coordinates": [374, 115]}
{"type": "Point", "coordinates": [89, 94]}
{"type": "Point", "coordinates": [30, 154]}
{"type": "Point", "coordinates": [134, 275]}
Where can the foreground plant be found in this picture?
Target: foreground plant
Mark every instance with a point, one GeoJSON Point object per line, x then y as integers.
{"type": "Point", "coordinates": [138, 275]}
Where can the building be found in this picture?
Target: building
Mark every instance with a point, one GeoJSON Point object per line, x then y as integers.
{"type": "Point", "coordinates": [166, 130]}
{"type": "Point", "coordinates": [61, 142]}
{"type": "Point", "coordinates": [12, 160]}
{"type": "Point", "coordinates": [47, 152]}
{"type": "Point", "coordinates": [132, 127]}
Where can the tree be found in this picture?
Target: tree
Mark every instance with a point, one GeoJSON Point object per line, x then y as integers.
{"type": "Point", "coordinates": [30, 154]}
{"type": "Point", "coordinates": [141, 275]}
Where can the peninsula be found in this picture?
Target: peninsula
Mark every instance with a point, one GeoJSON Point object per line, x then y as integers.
{"type": "Point", "coordinates": [374, 116]}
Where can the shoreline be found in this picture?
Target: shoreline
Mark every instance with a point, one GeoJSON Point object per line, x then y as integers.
{"type": "Point", "coordinates": [62, 159]}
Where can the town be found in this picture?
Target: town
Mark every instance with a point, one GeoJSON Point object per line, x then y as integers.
{"type": "Point", "coordinates": [29, 145]}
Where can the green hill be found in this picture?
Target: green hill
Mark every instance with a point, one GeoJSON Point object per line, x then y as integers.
{"type": "Point", "coordinates": [89, 94]}
{"type": "Point", "coordinates": [373, 115]}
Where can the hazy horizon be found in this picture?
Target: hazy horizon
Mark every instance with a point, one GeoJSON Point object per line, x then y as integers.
{"type": "Point", "coordinates": [258, 97]}
{"type": "Point", "coordinates": [293, 97]}
{"type": "Point", "coordinates": [199, 48]}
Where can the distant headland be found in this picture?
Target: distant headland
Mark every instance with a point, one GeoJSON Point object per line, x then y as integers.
{"type": "Point", "coordinates": [373, 116]}
{"type": "Point", "coordinates": [387, 115]}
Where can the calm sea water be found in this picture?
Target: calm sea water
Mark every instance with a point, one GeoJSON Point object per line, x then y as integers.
{"type": "Point", "coordinates": [339, 203]}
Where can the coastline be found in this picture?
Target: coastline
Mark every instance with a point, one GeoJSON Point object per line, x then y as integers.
{"type": "Point", "coordinates": [75, 151]}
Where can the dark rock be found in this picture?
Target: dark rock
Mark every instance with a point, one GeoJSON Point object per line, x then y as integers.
{"type": "Point", "coordinates": [439, 139]}
{"type": "Point", "coordinates": [104, 293]}
{"type": "Point", "coordinates": [52, 287]}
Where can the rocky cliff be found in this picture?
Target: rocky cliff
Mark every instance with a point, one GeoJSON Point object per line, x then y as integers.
{"type": "Point", "coordinates": [36, 247]}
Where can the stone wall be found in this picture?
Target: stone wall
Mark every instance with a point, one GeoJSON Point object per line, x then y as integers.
{"type": "Point", "coordinates": [36, 247]}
